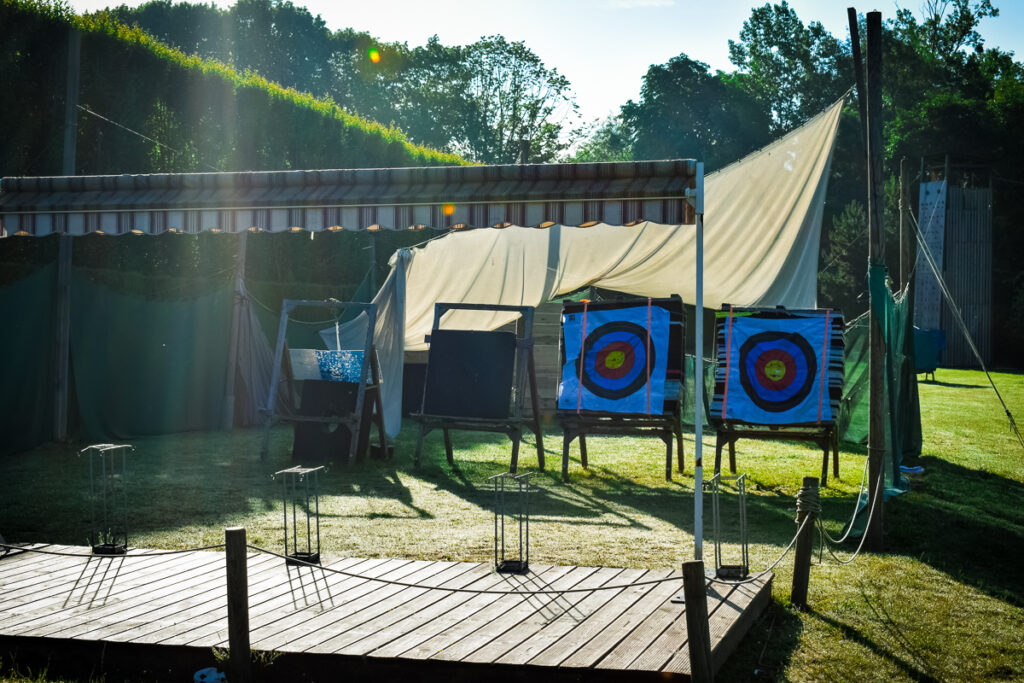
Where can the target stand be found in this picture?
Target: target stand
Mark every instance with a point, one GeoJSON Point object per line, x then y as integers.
{"type": "Point", "coordinates": [477, 381]}
{"type": "Point", "coordinates": [340, 394]}
{"type": "Point", "coordinates": [622, 371]}
{"type": "Point", "coordinates": [779, 378]}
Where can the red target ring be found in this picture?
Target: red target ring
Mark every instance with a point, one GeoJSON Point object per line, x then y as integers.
{"type": "Point", "coordinates": [775, 369]}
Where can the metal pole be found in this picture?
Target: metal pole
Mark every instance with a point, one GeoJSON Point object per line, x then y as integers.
{"type": "Point", "coordinates": [876, 259]}
{"type": "Point", "coordinates": [698, 379]}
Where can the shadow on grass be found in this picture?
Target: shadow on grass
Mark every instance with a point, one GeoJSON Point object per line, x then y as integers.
{"type": "Point", "coordinates": [965, 523]}
{"type": "Point", "coordinates": [767, 647]}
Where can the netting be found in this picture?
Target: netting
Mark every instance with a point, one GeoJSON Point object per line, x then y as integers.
{"type": "Point", "coordinates": [900, 398]}
{"type": "Point", "coordinates": [27, 360]}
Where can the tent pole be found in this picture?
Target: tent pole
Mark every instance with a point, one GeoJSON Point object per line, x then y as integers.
{"type": "Point", "coordinates": [698, 378]}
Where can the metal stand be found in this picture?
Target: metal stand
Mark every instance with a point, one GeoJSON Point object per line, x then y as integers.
{"type": "Point", "coordinates": [108, 495]}
{"type": "Point", "coordinates": [521, 517]}
{"type": "Point", "coordinates": [291, 478]}
{"type": "Point", "coordinates": [730, 571]}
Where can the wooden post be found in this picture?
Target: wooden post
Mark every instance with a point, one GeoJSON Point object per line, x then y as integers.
{"type": "Point", "coordinates": [876, 258]}
{"type": "Point", "coordinates": [71, 101]}
{"type": "Point", "coordinates": [238, 605]}
{"type": "Point", "coordinates": [698, 631]}
{"type": "Point", "coordinates": [238, 287]}
{"type": "Point", "coordinates": [804, 548]}
{"type": "Point", "coordinates": [63, 342]}
{"type": "Point", "coordinates": [858, 72]}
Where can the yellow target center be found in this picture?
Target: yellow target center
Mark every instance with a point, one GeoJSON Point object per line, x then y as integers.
{"type": "Point", "coordinates": [775, 370]}
{"type": "Point", "coordinates": [614, 360]}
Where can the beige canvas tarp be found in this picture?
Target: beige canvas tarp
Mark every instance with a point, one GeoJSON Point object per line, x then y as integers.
{"type": "Point", "coordinates": [762, 218]}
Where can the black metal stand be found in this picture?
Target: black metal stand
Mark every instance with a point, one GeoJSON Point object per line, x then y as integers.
{"type": "Point", "coordinates": [291, 478]}
{"type": "Point", "coordinates": [521, 518]}
{"type": "Point", "coordinates": [108, 497]}
{"type": "Point", "coordinates": [735, 572]}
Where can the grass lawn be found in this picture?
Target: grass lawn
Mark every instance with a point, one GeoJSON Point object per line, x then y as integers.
{"type": "Point", "coordinates": [946, 602]}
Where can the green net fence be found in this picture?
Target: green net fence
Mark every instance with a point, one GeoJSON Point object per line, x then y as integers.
{"type": "Point", "coordinates": [27, 360]}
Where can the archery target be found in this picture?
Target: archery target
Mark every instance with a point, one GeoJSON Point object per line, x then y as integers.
{"type": "Point", "coordinates": [614, 360]}
{"type": "Point", "coordinates": [777, 370]}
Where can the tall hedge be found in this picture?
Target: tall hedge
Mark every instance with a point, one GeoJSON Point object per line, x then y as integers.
{"type": "Point", "coordinates": [206, 115]}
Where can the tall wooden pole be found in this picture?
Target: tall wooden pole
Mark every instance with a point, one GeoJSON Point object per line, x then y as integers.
{"type": "Point", "coordinates": [858, 72]}
{"type": "Point", "coordinates": [71, 101]}
{"type": "Point", "coordinates": [876, 259]}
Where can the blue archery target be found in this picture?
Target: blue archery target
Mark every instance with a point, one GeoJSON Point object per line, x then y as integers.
{"type": "Point", "coordinates": [773, 371]}
{"type": "Point", "coordinates": [608, 361]}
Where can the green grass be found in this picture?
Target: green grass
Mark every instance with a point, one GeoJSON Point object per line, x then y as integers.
{"type": "Point", "coordinates": [945, 602]}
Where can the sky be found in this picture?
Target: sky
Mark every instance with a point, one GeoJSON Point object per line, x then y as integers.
{"type": "Point", "coordinates": [604, 47]}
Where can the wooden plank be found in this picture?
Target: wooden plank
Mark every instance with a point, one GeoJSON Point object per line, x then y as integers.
{"type": "Point", "coordinates": [563, 605]}
{"type": "Point", "coordinates": [513, 610]}
{"type": "Point", "coordinates": [645, 632]}
{"type": "Point", "coordinates": [583, 633]}
{"type": "Point", "coordinates": [590, 654]}
{"type": "Point", "coordinates": [210, 607]}
{"type": "Point", "coordinates": [356, 624]}
{"type": "Point", "coordinates": [721, 621]}
{"type": "Point", "coordinates": [269, 624]}
{"type": "Point", "coordinates": [553, 630]}
{"type": "Point", "coordinates": [56, 612]}
{"type": "Point", "coordinates": [451, 610]}
{"type": "Point", "coordinates": [270, 605]}
{"type": "Point", "coordinates": [393, 623]}
{"type": "Point", "coordinates": [312, 632]}
{"type": "Point", "coordinates": [487, 608]}
{"type": "Point", "coordinates": [74, 572]}
{"type": "Point", "coordinates": [135, 606]}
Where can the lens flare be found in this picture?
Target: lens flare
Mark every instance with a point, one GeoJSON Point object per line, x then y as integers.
{"type": "Point", "coordinates": [374, 55]}
{"type": "Point", "coordinates": [448, 209]}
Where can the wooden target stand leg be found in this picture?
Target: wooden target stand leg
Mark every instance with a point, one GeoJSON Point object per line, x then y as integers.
{"type": "Point", "coordinates": [827, 440]}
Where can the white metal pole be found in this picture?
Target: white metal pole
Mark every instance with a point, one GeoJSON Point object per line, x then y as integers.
{"type": "Point", "coordinates": [698, 378]}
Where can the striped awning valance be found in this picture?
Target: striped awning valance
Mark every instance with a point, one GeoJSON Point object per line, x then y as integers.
{"type": "Point", "coordinates": [533, 195]}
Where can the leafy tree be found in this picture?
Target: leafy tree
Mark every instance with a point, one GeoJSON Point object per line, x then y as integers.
{"type": "Point", "coordinates": [606, 140]}
{"type": "Point", "coordinates": [685, 111]}
{"type": "Point", "coordinates": [793, 70]}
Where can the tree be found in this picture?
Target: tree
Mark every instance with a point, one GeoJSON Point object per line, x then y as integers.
{"type": "Point", "coordinates": [685, 111]}
{"type": "Point", "coordinates": [606, 140]}
{"type": "Point", "coordinates": [793, 70]}
{"type": "Point", "coordinates": [514, 98]}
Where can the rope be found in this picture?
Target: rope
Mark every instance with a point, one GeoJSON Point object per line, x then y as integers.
{"type": "Point", "coordinates": [963, 326]}
{"type": "Point", "coordinates": [856, 508]}
{"type": "Point", "coordinates": [867, 525]}
{"type": "Point", "coordinates": [137, 133]}
{"type": "Point", "coordinates": [153, 554]}
{"type": "Point", "coordinates": [474, 591]}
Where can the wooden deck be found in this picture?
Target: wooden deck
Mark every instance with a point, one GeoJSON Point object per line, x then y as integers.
{"type": "Point", "coordinates": [179, 601]}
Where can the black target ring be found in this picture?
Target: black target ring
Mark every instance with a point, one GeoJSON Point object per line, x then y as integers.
{"type": "Point", "coordinates": [601, 337]}
{"type": "Point", "coordinates": [804, 363]}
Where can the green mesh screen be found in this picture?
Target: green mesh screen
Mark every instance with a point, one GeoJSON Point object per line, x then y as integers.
{"type": "Point", "coordinates": [27, 359]}
{"type": "Point", "coordinates": [148, 366]}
